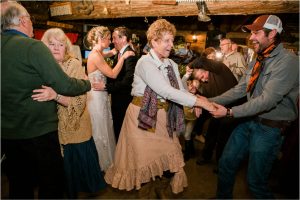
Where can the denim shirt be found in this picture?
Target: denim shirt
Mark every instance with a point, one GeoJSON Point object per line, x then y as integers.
{"type": "Point", "coordinates": [276, 91]}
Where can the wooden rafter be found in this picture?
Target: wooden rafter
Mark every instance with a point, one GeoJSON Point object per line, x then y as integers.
{"type": "Point", "coordinates": [141, 8]}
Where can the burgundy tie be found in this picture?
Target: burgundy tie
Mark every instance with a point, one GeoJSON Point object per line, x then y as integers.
{"type": "Point", "coordinates": [119, 56]}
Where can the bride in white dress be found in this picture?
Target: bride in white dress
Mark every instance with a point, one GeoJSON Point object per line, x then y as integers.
{"type": "Point", "coordinates": [98, 101]}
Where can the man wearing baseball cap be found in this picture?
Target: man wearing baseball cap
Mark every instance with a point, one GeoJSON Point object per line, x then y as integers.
{"type": "Point", "coordinates": [271, 84]}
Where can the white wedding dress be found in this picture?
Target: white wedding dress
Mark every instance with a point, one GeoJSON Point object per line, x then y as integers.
{"type": "Point", "coordinates": [102, 123]}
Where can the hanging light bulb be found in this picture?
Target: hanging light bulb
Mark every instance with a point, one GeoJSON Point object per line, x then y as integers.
{"type": "Point", "coordinates": [194, 38]}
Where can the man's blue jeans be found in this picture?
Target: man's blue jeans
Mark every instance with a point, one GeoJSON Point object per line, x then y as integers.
{"type": "Point", "coordinates": [262, 144]}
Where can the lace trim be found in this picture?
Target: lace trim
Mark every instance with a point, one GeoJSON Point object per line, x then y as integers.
{"type": "Point", "coordinates": [128, 179]}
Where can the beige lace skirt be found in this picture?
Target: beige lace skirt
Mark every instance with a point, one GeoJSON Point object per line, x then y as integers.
{"type": "Point", "coordinates": [142, 155]}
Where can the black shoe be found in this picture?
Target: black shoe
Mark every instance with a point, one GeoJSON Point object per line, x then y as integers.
{"type": "Point", "coordinates": [201, 161]}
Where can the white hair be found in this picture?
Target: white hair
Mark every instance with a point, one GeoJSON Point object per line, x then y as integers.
{"type": "Point", "coordinates": [10, 13]}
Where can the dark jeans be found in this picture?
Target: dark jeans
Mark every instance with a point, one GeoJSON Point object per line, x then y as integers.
{"type": "Point", "coordinates": [262, 144]}
{"type": "Point", "coordinates": [34, 162]}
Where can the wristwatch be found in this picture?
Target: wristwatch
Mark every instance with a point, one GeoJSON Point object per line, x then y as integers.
{"type": "Point", "coordinates": [229, 112]}
{"type": "Point", "coordinates": [57, 97]}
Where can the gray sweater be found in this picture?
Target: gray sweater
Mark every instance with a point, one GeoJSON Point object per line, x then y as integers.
{"type": "Point", "coordinates": [276, 92]}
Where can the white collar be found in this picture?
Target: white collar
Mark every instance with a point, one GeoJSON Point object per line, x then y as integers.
{"type": "Point", "coordinates": [159, 62]}
{"type": "Point", "coordinates": [229, 54]}
{"type": "Point", "coordinates": [123, 49]}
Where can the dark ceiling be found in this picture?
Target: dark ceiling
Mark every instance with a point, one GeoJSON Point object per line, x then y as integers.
{"type": "Point", "coordinates": [225, 23]}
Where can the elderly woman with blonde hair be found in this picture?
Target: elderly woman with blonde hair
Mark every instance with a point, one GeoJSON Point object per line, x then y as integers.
{"type": "Point", "coordinates": [148, 147]}
{"type": "Point", "coordinates": [82, 170]}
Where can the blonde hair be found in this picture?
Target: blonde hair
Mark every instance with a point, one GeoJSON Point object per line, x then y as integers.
{"type": "Point", "coordinates": [157, 28]}
{"type": "Point", "coordinates": [95, 33]}
{"type": "Point", "coordinates": [59, 35]}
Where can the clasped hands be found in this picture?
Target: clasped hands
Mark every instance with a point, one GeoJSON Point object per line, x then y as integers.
{"type": "Point", "coordinates": [216, 110]}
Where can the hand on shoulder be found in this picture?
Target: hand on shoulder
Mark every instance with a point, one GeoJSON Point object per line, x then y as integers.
{"type": "Point", "coordinates": [128, 54]}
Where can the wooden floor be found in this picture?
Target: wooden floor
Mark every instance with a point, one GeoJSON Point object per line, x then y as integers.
{"type": "Point", "coordinates": [201, 179]}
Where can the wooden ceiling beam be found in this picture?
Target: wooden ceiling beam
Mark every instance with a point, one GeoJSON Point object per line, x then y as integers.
{"type": "Point", "coordinates": [145, 8]}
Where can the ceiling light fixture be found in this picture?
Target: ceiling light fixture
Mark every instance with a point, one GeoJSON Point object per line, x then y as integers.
{"type": "Point", "coordinates": [202, 17]}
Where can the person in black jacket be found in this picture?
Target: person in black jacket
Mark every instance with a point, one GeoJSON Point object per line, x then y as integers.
{"type": "Point", "coordinates": [120, 88]}
{"type": "Point", "coordinates": [216, 78]}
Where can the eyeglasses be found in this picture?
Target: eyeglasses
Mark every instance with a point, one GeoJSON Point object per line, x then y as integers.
{"type": "Point", "coordinates": [224, 44]}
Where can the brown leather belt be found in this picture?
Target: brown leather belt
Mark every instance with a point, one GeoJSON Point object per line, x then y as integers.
{"type": "Point", "coordinates": [160, 105]}
{"type": "Point", "coordinates": [282, 124]}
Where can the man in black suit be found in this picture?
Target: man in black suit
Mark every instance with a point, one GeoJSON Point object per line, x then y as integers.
{"type": "Point", "coordinates": [120, 88]}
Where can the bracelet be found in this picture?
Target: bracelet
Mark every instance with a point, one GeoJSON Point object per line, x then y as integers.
{"type": "Point", "coordinates": [57, 97]}
{"type": "Point", "coordinates": [228, 114]}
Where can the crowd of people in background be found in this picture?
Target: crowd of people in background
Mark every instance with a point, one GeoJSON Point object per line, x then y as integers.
{"type": "Point", "coordinates": [67, 130]}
